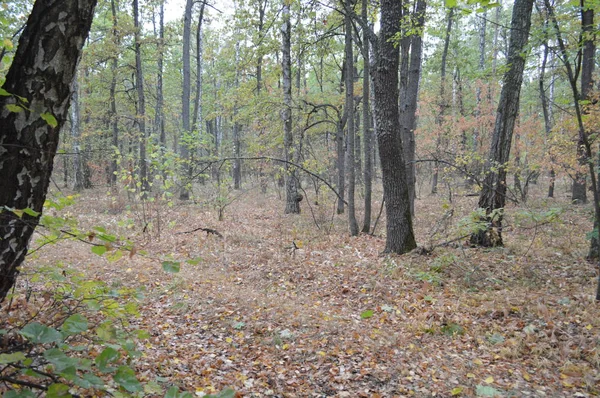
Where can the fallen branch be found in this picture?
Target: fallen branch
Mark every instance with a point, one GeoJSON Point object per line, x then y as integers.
{"type": "Point", "coordinates": [207, 230]}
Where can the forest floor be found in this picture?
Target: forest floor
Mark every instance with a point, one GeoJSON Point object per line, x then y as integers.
{"type": "Point", "coordinates": [292, 306]}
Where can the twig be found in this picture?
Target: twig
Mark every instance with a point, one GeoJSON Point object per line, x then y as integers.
{"type": "Point", "coordinates": [207, 230]}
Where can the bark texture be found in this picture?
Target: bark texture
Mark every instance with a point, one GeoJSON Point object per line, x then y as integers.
{"type": "Point", "coordinates": [400, 237]}
{"type": "Point", "coordinates": [493, 195]}
{"type": "Point", "coordinates": [42, 72]}
{"type": "Point", "coordinates": [292, 198]}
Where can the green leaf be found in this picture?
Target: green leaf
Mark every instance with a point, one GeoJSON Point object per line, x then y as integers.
{"type": "Point", "coordinates": [4, 93]}
{"type": "Point", "coordinates": [14, 108]}
{"type": "Point", "coordinates": [74, 324]}
{"type": "Point", "coordinates": [38, 333]}
{"type": "Point", "coordinates": [450, 3]}
{"type": "Point", "coordinates": [59, 359]}
{"type": "Point", "coordinates": [99, 250]}
{"type": "Point", "coordinates": [125, 377]}
{"type": "Point", "coordinates": [25, 393]}
{"type": "Point", "coordinates": [366, 314]}
{"type": "Point", "coordinates": [50, 119]}
{"type": "Point", "coordinates": [12, 358]}
{"type": "Point", "coordinates": [114, 256]}
{"type": "Point", "coordinates": [496, 338]}
{"type": "Point", "coordinates": [227, 393]}
{"type": "Point", "coordinates": [89, 381]}
{"type": "Point", "coordinates": [456, 391]}
{"type": "Point", "coordinates": [107, 356]}
{"type": "Point", "coordinates": [58, 390]}
{"type": "Point", "coordinates": [31, 212]}
{"type": "Point", "coordinates": [171, 267]}
{"type": "Point", "coordinates": [487, 391]}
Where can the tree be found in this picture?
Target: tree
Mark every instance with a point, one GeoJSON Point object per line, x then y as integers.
{"type": "Point", "coordinates": [400, 236]}
{"type": "Point", "coordinates": [141, 101]}
{"type": "Point", "coordinates": [493, 194]}
{"type": "Point", "coordinates": [292, 201]}
{"type": "Point", "coordinates": [184, 194]}
{"type": "Point", "coordinates": [410, 75]}
{"type": "Point", "coordinates": [34, 103]}
{"type": "Point", "coordinates": [367, 130]}
{"type": "Point", "coordinates": [349, 83]}
{"type": "Point", "coordinates": [76, 135]}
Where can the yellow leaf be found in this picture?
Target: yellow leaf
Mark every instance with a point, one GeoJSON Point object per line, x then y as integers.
{"type": "Point", "coordinates": [229, 339]}
{"type": "Point", "coordinates": [471, 375]}
{"type": "Point", "coordinates": [567, 383]}
{"type": "Point", "coordinates": [526, 376]}
{"type": "Point", "coordinates": [489, 380]}
{"type": "Point", "coordinates": [285, 346]}
{"type": "Point", "coordinates": [456, 391]}
{"type": "Point", "coordinates": [589, 327]}
{"type": "Point", "coordinates": [321, 353]}
{"type": "Point", "coordinates": [478, 361]}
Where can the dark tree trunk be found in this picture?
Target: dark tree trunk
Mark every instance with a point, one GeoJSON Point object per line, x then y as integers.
{"type": "Point", "coordinates": [292, 198]}
{"type": "Point", "coordinates": [42, 72]}
{"type": "Point", "coordinates": [341, 161]}
{"type": "Point", "coordinates": [409, 93]}
{"type": "Point", "coordinates": [141, 104]}
{"type": "Point", "coordinates": [113, 101]}
{"type": "Point", "coordinates": [493, 194]}
{"type": "Point", "coordinates": [184, 193]}
{"type": "Point", "coordinates": [159, 120]}
{"type": "Point", "coordinates": [546, 108]}
{"type": "Point", "coordinates": [349, 105]}
{"type": "Point", "coordinates": [367, 131]}
{"type": "Point", "coordinates": [443, 105]}
{"type": "Point", "coordinates": [197, 116]}
{"type": "Point", "coordinates": [400, 237]}
{"type": "Point", "coordinates": [262, 5]}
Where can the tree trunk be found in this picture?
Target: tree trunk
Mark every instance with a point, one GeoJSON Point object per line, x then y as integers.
{"type": "Point", "coordinates": [78, 184]}
{"type": "Point", "coordinates": [141, 105]}
{"type": "Point", "coordinates": [341, 161]}
{"type": "Point", "coordinates": [42, 71]}
{"type": "Point", "coordinates": [184, 193]}
{"type": "Point", "coordinates": [112, 99]}
{"type": "Point", "coordinates": [349, 104]}
{"type": "Point", "coordinates": [159, 120]}
{"type": "Point", "coordinates": [493, 194]}
{"type": "Point", "coordinates": [443, 101]}
{"type": "Point", "coordinates": [367, 131]}
{"type": "Point", "coordinates": [292, 198]}
{"type": "Point", "coordinates": [197, 116]}
{"type": "Point", "coordinates": [400, 237]}
{"type": "Point", "coordinates": [408, 101]}
{"type": "Point", "coordinates": [546, 108]}
{"type": "Point", "coordinates": [237, 163]}
{"type": "Point", "coordinates": [262, 5]}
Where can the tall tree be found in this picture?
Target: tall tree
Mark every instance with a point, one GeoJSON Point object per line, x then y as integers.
{"type": "Point", "coordinates": [493, 194]}
{"type": "Point", "coordinates": [184, 193]}
{"type": "Point", "coordinates": [350, 151]}
{"type": "Point", "coordinates": [367, 131]}
{"type": "Point", "coordinates": [410, 75]}
{"type": "Point", "coordinates": [292, 198]}
{"type": "Point", "coordinates": [141, 101]}
{"type": "Point", "coordinates": [76, 135]}
{"type": "Point", "coordinates": [159, 117]}
{"type": "Point", "coordinates": [444, 103]}
{"type": "Point", "coordinates": [400, 236]}
{"type": "Point", "coordinates": [42, 71]}
{"type": "Point", "coordinates": [114, 123]}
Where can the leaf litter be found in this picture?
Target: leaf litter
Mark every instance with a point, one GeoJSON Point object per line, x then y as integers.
{"type": "Point", "coordinates": [280, 308]}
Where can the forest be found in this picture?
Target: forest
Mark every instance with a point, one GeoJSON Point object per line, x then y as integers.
{"type": "Point", "coordinates": [299, 198]}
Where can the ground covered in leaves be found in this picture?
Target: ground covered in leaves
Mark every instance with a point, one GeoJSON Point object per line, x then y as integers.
{"type": "Point", "coordinates": [292, 306]}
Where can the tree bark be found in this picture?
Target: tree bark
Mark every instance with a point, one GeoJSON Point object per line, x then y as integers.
{"type": "Point", "coordinates": [159, 121]}
{"type": "Point", "coordinates": [493, 194]}
{"type": "Point", "coordinates": [184, 193]}
{"type": "Point", "coordinates": [367, 130]}
{"type": "Point", "coordinates": [42, 71]}
{"type": "Point", "coordinates": [349, 105]}
{"type": "Point", "coordinates": [400, 237]}
{"type": "Point", "coordinates": [78, 184]}
{"type": "Point", "coordinates": [141, 102]}
{"type": "Point", "coordinates": [409, 95]}
{"type": "Point", "coordinates": [292, 201]}
{"type": "Point", "coordinates": [112, 99]}
{"type": "Point", "coordinates": [443, 105]}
